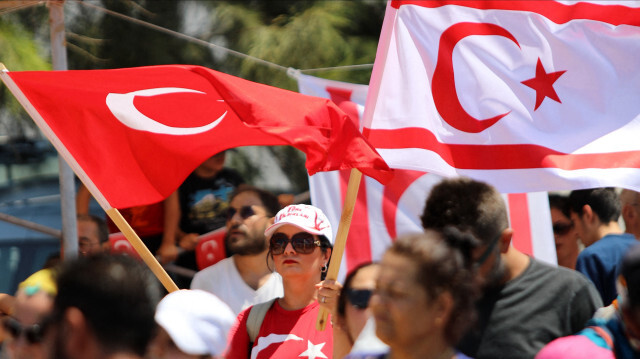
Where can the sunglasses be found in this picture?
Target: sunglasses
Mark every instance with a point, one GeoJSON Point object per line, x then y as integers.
{"type": "Point", "coordinates": [33, 333]}
{"type": "Point", "coordinates": [244, 211]}
{"type": "Point", "coordinates": [359, 298]}
{"type": "Point", "coordinates": [562, 228]}
{"type": "Point", "coordinates": [302, 243]}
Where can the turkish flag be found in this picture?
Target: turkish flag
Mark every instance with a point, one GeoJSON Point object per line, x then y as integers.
{"type": "Point", "coordinates": [383, 212]}
{"type": "Point", "coordinates": [526, 95]}
{"type": "Point", "coordinates": [136, 134]}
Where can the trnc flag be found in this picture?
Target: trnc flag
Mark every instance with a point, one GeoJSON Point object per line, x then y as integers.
{"type": "Point", "coordinates": [383, 212]}
{"type": "Point", "coordinates": [526, 95]}
{"type": "Point", "coordinates": [135, 134]}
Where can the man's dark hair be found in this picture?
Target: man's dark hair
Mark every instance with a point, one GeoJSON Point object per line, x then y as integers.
{"type": "Point", "coordinates": [469, 205]}
{"type": "Point", "coordinates": [604, 202]}
{"type": "Point", "coordinates": [268, 199]}
{"type": "Point", "coordinates": [561, 203]}
{"type": "Point", "coordinates": [116, 294]}
{"type": "Point", "coordinates": [103, 229]}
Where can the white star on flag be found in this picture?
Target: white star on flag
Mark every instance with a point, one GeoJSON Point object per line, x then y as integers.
{"type": "Point", "coordinates": [313, 351]}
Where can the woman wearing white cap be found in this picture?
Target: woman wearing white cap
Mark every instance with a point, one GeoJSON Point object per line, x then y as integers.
{"type": "Point", "coordinates": [300, 248]}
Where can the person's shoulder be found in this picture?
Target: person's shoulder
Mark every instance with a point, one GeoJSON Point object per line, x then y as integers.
{"type": "Point", "coordinates": [213, 271]}
{"type": "Point", "coordinates": [558, 274]}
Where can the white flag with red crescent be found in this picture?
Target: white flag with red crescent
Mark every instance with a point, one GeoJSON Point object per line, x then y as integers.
{"type": "Point", "coordinates": [526, 95]}
{"type": "Point", "coordinates": [382, 212]}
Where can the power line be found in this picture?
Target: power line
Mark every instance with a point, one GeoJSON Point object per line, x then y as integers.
{"type": "Point", "coordinates": [215, 46]}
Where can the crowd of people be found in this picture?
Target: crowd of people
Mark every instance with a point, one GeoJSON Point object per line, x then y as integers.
{"type": "Point", "coordinates": [459, 289]}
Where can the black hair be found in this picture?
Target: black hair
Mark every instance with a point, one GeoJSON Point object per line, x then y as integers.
{"type": "Point", "coordinates": [103, 229]}
{"type": "Point", "coordinates": [117, 296]}
{"type": "Point", "coordinates": [472, 206]}
{"type": "Point", "coordinates": [604, 202]}
{"type": "Point", "coordinates": [269, 200]}
{"type": "Point", "coordinates": [342, 299]}
{"type": "Point", "coordinates": [561, 203]}
{"type": "Point", "coordinates": [444, 264]}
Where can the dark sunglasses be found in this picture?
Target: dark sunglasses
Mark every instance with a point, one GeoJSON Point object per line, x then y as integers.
{"type": "Point", "coordinates": [302, 243]}
{"type": "Point", "coordinates": [244, 211]}
{"type": "Point", "coordinates": [33, 333]}
{"type": "Point", "coordinates": [359, 298]}
{"type": "Point", "coordinates": [562, 228]}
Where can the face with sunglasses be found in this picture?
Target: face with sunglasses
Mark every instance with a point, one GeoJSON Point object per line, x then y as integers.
{"type": "Point", "coordinates": [566, 238]}
{"type": "Point", "coordinates": [296, 252]}
{"type": "Point", "coordinates": [357, 292]}
{"type": "Point", "coordinates": [26, 328]}
{"type": "Point", "coordinates": [246, 221]}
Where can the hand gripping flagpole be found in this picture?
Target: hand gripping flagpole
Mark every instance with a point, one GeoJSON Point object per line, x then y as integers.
{"type": "Point", "coordinates": [341, 237]}
{"type": "Point", "coordinates": [113, 213]}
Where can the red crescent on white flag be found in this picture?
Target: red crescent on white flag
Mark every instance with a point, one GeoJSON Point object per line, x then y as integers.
{"type": "Point", "coordinates": [443, 87]}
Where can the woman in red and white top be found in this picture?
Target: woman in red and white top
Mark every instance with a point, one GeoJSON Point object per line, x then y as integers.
{"type": "Point", "coordinates": [300, 245]}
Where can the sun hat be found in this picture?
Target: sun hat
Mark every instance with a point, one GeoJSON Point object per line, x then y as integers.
{"type": "Point", "coordinates": [307, 218]}
{"type": "Point", "coordinates": [197, 321]}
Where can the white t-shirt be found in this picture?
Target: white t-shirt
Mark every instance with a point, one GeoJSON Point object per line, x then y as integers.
{"type": "Point", "coordinates": [224, 280]}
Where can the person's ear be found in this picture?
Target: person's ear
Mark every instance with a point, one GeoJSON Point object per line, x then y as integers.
{"type": "Point", "coordinates": [327, 254]}
{"type": "Point", "coordinates": [443, 308]}
{"type": "Point", "coordinates": [587, 214]}
{"type": "Point", "coordinates": [77, 332]}
{"type": "Point", "coordinates": [505, 240]}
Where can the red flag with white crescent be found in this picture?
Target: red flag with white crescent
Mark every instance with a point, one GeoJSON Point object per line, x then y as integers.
{"type": "Point", "coordinates": [382, 212]}
{"type": "Point", "coordinates": [133, 135]}
{"type": "Point", "coordinates": [526, 95]}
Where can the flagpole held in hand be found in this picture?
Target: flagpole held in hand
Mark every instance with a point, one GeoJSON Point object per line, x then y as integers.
{"type": "Point", "coordinates": [341, 237]}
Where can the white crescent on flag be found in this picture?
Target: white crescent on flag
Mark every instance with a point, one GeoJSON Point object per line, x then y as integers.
{"type": "Point", "coordinates": [382, 212]}
{"type": "Point", "coordinates": [526, 95]}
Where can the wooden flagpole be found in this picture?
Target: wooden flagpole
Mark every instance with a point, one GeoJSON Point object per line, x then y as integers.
{"type": "Point", "coordinates": [341, 237]}
{"type": "Point", "coordinates": [113, 213]}
{"type": "Point", "coordinates": [142, 249]}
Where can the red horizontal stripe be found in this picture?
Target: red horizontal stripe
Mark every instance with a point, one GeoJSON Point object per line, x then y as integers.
{"type": "Point", "coordinates": [495, 157]}
{"type": "Point", "coordinates": [554, 11]}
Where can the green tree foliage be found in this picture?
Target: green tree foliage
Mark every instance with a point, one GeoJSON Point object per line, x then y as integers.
{"type": "Point", "coordinates": [302, 35]}
{"type": "Point", "coordinates": [18, 52]}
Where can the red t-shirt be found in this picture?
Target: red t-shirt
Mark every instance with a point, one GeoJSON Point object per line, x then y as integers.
{"type": "Point", "coordinates": [145, 220]}
{"type": "Point", "coordinates": [283, 334]}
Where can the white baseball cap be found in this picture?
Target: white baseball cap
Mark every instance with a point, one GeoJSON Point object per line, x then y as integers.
{"type": "Point", "coordinates": [197, 321]}
{"type": "Point", "coordinates": [308, 218]}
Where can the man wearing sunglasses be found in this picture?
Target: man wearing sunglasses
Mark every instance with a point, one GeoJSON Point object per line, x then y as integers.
{"type": "Point", "coordinates": [26, 326]}
{"type": "Point", "coordinates": [595, 213]}
{"type": "Point", "coordinates": [244, 278]}
{"type": "Point", "coordinates": [525, 303]}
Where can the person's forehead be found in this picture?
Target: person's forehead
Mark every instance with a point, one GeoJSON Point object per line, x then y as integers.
{"type": "Point", "coordinates": [87, 227]}
{"type": "Point", "coordinates": [248, 198]}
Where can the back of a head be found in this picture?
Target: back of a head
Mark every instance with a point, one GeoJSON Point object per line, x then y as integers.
{"type": "Point", "coordinates": [444, 263]}
{"type": "Point", "coordinates": [468, 205]}
{"type": "Point", "coordinates": [116, 294]}
{"type": "Point", "coordinates": [604, 202]}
